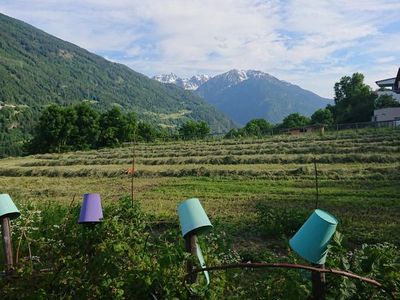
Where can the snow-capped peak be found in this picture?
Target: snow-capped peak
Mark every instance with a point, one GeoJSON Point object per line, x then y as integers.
{"type": "Point", "coordinates": [186, 83]}
{"type": "Point", "coordinates": [235, 76]}
{"type": "Point", "coordinates": [166, 78]}
{"type": "Point", "coordinates": [229, 78]}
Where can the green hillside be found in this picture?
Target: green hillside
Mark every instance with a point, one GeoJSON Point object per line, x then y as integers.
{"type": "Point", "coordinates": [37, 69]}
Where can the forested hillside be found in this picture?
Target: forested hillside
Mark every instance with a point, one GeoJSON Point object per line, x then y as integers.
{"type": "Point", "coordinates": [37, 69]}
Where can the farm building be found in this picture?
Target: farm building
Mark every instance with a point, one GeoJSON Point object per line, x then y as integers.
{"type": "Point", "coordinates": [305, 129]}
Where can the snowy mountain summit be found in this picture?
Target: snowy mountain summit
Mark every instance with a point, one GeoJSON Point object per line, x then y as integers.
{"type": "Point", "coordinates": [186, 83]}
{"type": "Point", "coordinates": [229, 78]}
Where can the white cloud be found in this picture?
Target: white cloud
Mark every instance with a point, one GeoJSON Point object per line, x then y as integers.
{"type": "Point", "coordinates": [312, 43]}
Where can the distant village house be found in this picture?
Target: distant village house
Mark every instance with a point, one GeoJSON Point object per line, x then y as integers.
{"type": "Point", "coordinates": [390, 86]}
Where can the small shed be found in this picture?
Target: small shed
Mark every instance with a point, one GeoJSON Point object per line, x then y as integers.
{"type": "Point", "coordinates": [306, 129]}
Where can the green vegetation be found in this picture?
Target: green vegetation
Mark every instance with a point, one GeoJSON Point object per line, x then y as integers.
{"type": "Point", "coordinates": [294, 121]}
{"type": "Point", "coordinates": [131, 255]}
{"type": "Point", "coordinates": [194, 130]}
{"type": "Point", "coordinates": [80, 127]}
{"type": "Point", "coordinates": [255, 127]}
{"type": "Point", "coordinates": [384, 101]}
{"type": "Point", "coordinates": [257, 192]}
{"type": "Point", "coordinates": [16, 123]}
{"type": "Point", "coordinates": [322, 116]}
{"type": "Point", "coordinates": [354, 100]}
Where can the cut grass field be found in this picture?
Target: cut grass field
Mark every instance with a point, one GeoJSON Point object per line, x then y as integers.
{"type": "Point", "coordinates": [359, 175]}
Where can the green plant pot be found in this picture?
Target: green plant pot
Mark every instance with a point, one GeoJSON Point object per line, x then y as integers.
{"type": "Point", "coordinates": [8, 208]}
{"type": "Point", "coordinates": [192, 217]}
{"type": "Point", "coordinates": [312, 239]}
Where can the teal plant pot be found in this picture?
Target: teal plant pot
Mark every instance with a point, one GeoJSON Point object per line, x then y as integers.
{"type": "Point", "coordinates": [312, 239]}
{"type": "Point", "coordinates": [8, 208]}
{"type": "Point", "coordinates": [192, 217]}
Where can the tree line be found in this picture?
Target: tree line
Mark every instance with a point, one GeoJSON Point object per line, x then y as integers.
{"type": "Point", "coordinates": [80, 127]}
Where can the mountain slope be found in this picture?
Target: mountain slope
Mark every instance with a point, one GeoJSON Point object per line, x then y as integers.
{"type": "Point", "coordinates": [37, 69]}
{"type": "Point", "coordinates": [245, 95]}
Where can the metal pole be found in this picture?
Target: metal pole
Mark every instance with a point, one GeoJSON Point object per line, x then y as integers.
{"type": "Point", "coordinates": [191, 247]}
{"type": "Point", "coordinates": [7, 246]}
{"type": "Point", "coordinates": [318, 283]}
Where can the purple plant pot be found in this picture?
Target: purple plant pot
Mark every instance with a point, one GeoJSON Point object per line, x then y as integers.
{"type": "Point", "coordinates": [91, 211]}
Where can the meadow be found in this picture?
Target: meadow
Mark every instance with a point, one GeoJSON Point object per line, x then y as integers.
{"type": "Point", "coordinates": [256, 191]}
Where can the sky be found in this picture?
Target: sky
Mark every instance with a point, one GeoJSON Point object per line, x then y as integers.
{"type": "Point", "coordinates": [311, 43]}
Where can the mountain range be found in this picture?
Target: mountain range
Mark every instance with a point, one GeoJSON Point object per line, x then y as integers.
{"type": "Point", "coordinates": [247, 94]}
{"type": "Point", "coordinates": [37, 69]}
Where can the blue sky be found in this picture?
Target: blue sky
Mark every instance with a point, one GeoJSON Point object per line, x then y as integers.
{"type": "Point", "coordinates": [307, 42]}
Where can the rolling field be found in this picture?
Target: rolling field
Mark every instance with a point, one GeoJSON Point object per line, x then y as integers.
{"type": "Point", "coordinates": [359, 175]}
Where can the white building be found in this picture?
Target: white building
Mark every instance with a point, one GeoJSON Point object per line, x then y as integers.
{"type": "Point", "coordinates": [390, 86]}
{"type": "Point", "coordinates": [386, 114]}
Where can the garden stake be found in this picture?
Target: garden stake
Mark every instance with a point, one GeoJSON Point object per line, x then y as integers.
{"type": "Point", "coordinates": [191, 247]}
{"type": "Point", "coordinates": [133, 162]}
{"type": "Point", "coordinates": [316, 182]}
{"type": "Point", "coordinates": [7, 246]}
{"type": "Point", "coordinates": [318, 283]}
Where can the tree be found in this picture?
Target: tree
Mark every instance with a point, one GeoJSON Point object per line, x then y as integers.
{"type": "Point", "coordinates": [192, 130]}
{"type": "Point", "coordinates": [54, 129]}
{"type": "Point", "coordinates": [146, 132]}
{"type": "Point", "coordinates": [131, 126]}
{"type": "Point", "coordinates": [386, 101]}
{"type": "Point", "coordinates": [322, 116]}
{"type": "Point", "coordinates": [86, 128]}
{"type": "Point", "coordinates": [113, 126]}
{"type": "Point", "coordinates": [354, 100]}
{"type": "Point", "coordinates": [234, 133]}
{"type": "Point", "coordinates": [294, 120]}
{"type": "Point", "coordinates": [257, 127]}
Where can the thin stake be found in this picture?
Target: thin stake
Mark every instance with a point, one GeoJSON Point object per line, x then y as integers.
{"type": "Point", "coordinates": [191, 247]}
{"type": "Point", "coordinates": [316, 182]}
{"type": "Point", "coordinates": [133, 163]}
{"type": "Point", "coordinates": [7, 245]}
{"type": "Point", "coordinates": [318, 283]}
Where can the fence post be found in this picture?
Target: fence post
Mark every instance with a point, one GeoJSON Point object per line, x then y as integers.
{"type": "Point", "coordinates": [191, 247]}
{"type": "Point", "coordinates": [318, 283]}
{"type": "Point", "coordinates": [7, 245]}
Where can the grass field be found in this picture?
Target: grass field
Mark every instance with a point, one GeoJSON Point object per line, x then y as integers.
{"type": "Point", "coordinates": [359, 175]}
{"type": "Point", "coordinates": [257, 193]}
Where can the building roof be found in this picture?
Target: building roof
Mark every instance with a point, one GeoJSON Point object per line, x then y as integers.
{"type": "Point", "coordinates": [386, 82]}
{"type": "Point", "coordinates": [396, 87]}
{"type": "Point", "coordinates": [393, 83]}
